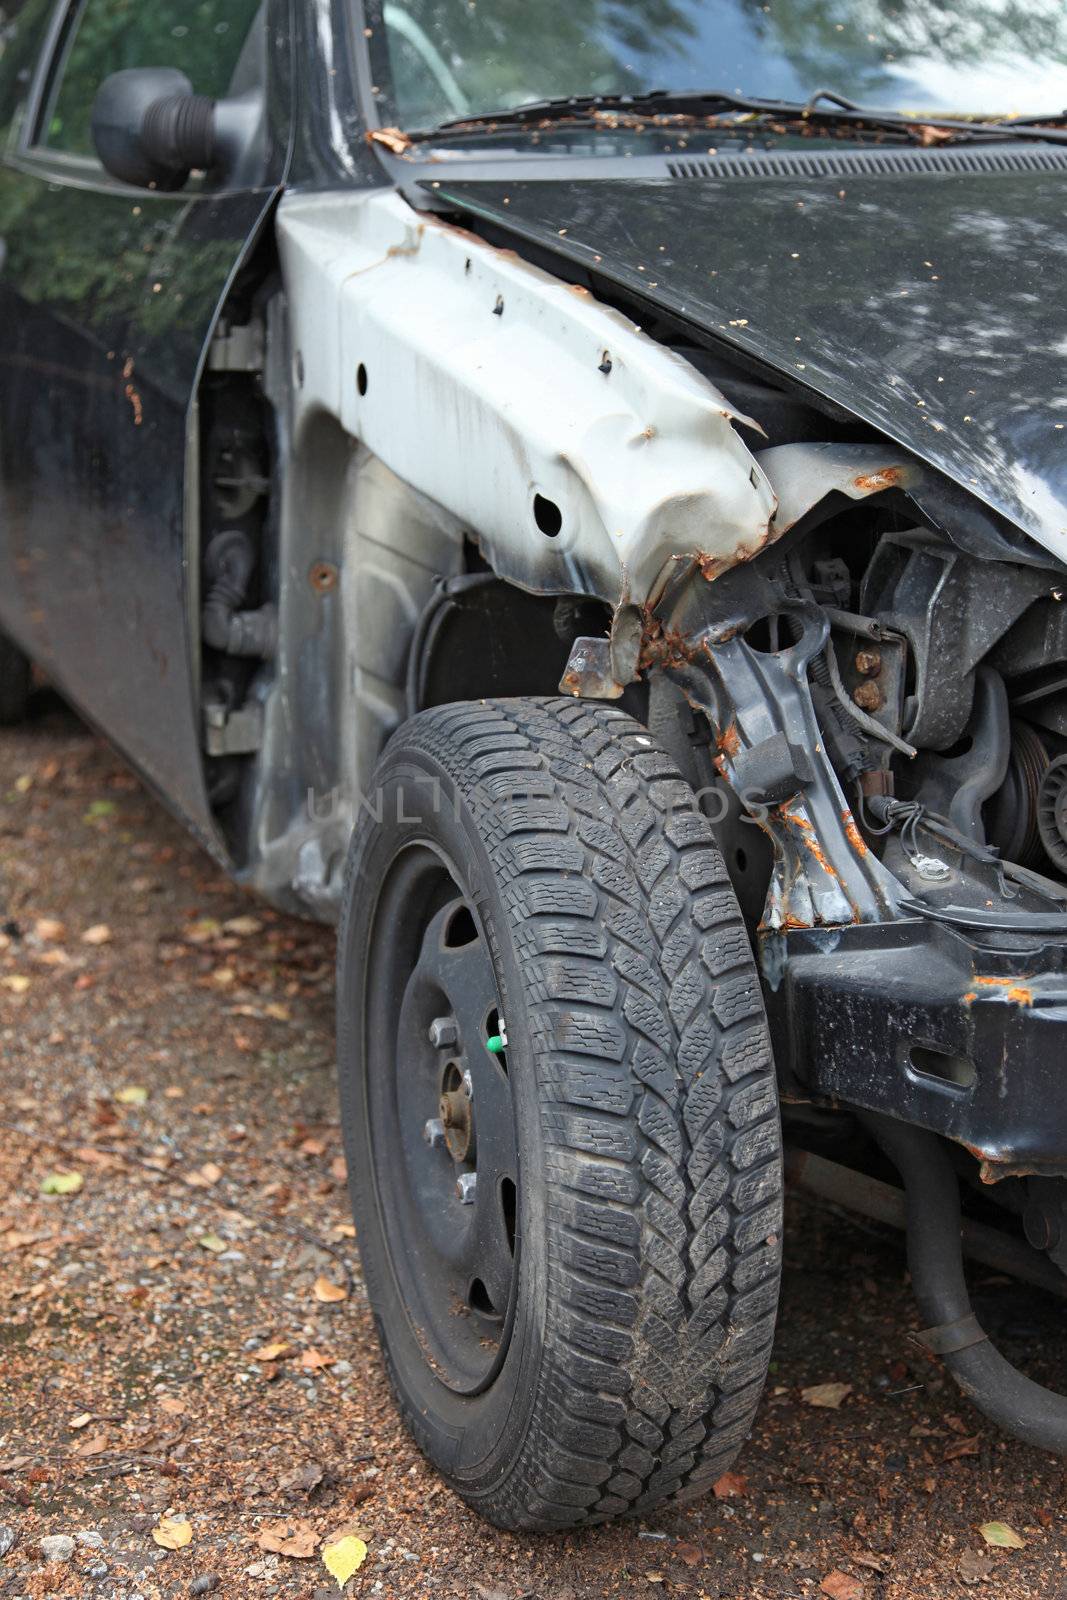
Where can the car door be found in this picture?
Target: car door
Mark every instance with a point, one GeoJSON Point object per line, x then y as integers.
{"type": "Point", "coordinates": [108, 295]}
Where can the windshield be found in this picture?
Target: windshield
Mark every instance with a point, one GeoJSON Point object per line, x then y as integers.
{"type": "Point", "coordinates": [450, 58]}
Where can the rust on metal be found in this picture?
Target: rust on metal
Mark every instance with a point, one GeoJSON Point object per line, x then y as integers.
{"type": "Point", "coordinates": [322, 576]}
{"type": "Point", "coordinates": [1016, 989]}
{"type": "Point", "coordinates": [886, 478]}
{"type": "Point", "coordinates": [662, 646]}
{"type": "Point", "coordinates": [729, 743]}
{"type": "Point", "coordinates": [867, 695]}
{"type": "Point", "coordinates": [853, 834]}
{"type": "Point", "coordinates": [869, 662]}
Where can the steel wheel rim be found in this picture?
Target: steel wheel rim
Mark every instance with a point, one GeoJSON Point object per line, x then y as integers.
{"type": "Point", "coordinates": [452, 1243]}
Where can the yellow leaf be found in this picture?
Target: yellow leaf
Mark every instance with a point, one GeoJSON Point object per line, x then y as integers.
{"type": "Point", "coordinates": [23, 783]}
{"type": "Point", "coordinates": [172, 1535]}
{"type": "Point", "coordinates": [1000, 1534]}
{"type": "Point", "coordinates": [274, 1352]}
{"type": "Point", "coordinates": [99, 933]}
{"type": "Point", "coordinates": [134, 1094]}
{"type": "Point", "coordinates": [344, 1558]}
{"type": "Point", "coordinates": [17, 982]}
{"type": "Point", "coordinates": [328, 1293]}
{"type": "Point", "coordinates": [62, 1183]}
{"type": "Point", "coordinates": [212, 1242]}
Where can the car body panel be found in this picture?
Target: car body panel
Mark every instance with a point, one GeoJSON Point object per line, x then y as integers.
{"type": "Point", "coordinates": [927, 305]}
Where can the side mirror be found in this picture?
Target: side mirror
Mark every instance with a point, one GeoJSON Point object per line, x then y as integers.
{"type": "Point", "coordinates": [150, 129]}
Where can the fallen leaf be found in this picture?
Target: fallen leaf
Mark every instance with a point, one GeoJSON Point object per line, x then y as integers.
{"type": "Point", "coordinates": [691, 1554]}
{"type": "Point", "coordinates": [314, 1360]}
{"type": "Point", "coordinates": [303, 1480]}
{"type": "Point", "coordinates": [201, 931]}
{"type": "Point", "coordinates": [975, 1566]}
{"type": "Point", "coordinates": [82, 1420]}
{"type": "Point", "coordinates": [171, 1405]}
{"type": "Point", "coordinates": [62, 1183]}
{"type": "Point", "coordinates": [839, 1586]}
{"type": "Point", "coordinates": [23, 783]}
{"type": "Point", "coordinates": [313, 1147]}
{"type": "Point", "coordinates": [393, 139]}
{"type": "Point", "coordinates": [204, 1177]}
{"type": "Point", "coordinates": [274, 1352]}
{"type": "Point", "coordinates": [50, 929]}
{"type": "Point", "coordinates": [827, 1395]}
{"type": "Point", "coordinates": [17, 982]}
{"type": "Point", "coordinates": [962, 1447]}
{"type": "Point", "coordinates": [344, 1230]}
{"type": "Point", "coordinates": [99, 933]}
{"type": "Point", "coordinates": [297, 1539]}
{"type": "Point", "coordinates": [243, 926]}
{"type": "Point", "coordinates": [329, 1293]}
{"type": "Point", "coordinates": [134, 1094]}
{"type": "Point", "coordinates": [999, 1534]}
{"type": "Point", "coordinates": [344, 1558]}
{"type": "Point", "coordinates": [278, 1011]}
{"type": "Point", "coordinates": [171, 1534]}
{"type": "Point", "coordinates": [339, 1169]}
{"type": "Point", "coordinates": [100, 808]}
{"type": "Point", "coordinates": [730, 1484]}
{"type": "Point", "coordinates": [212, 1242]}
{"type": "Point", "coordinates": [95, 1445]}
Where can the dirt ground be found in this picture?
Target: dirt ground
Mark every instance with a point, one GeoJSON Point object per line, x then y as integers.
{"type": "Point", "coordinates": [186, 1352]}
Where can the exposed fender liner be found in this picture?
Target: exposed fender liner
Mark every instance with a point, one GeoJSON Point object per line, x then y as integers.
{"type": "Point", "coordinates": [935, 1259]}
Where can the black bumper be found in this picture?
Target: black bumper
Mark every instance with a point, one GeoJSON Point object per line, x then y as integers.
{"type": "Point", "coordinates": [965, 1036]}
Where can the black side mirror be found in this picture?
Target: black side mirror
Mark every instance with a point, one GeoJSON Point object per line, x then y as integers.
{"type": "Point", "coordinates": [150, 129]}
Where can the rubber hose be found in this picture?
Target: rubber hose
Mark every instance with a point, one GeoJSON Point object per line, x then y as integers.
{"type": "Point", "coordinates": [935, 1260]}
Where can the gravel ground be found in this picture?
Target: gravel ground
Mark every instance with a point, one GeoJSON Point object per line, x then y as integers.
{"type": "Point", "coordinates": [186, 1352]}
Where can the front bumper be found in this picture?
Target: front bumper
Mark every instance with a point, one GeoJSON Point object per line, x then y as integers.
{"type": "Point", "coordinates": [961, 1033]}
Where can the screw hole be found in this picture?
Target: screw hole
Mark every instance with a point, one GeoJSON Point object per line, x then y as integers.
{"type": "Point", "coordinates": [361, 378]}
{"type": "Point", "coordinates": [548, 516]}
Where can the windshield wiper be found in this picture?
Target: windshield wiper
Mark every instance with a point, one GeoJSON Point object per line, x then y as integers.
{"type": "Point", "coordinates": [679, 108]}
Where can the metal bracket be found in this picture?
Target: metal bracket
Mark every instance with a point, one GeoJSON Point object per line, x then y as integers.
{"type": "Point", "coordinates": [237, 347]}
{"type": "Point", "coordinates": [233, 733]}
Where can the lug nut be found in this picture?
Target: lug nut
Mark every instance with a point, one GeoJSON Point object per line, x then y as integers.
{"type": "Point", "coordinates": [443, 1032]}
{"type": "Point", "coordinates": [468, 1084]}
{"type": "Point", "coordinates": [466, 1184]}
{"type": "Point", "coordinates": [434, 1132]}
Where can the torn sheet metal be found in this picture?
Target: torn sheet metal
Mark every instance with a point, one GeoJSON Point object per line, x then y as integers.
{"type": "Point", "coordinates": [581, 454]}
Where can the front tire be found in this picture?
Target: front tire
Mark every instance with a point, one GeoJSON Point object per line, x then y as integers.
{"type": "Point", "coordinates": [539, 868]}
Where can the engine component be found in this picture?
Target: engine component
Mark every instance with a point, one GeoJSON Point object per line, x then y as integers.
{"type": "Point", "coordinates": [1011, 821]}
{"type": "Point", "coordinates": [228, 564]}
{"type": "Point", "coordinates": [1052, 812]}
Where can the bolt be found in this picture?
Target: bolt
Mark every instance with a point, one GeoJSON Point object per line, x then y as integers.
{"type": "Point", "coordinates": [466, 1184]}
{"type": "Point", "coordinates": [868, 696]}
{"type": "Point", "coordinates": [468, 1085]}
{"type": "Point", "coordinates": [434, 1132]}
{"type": "Point", "coordinates": [443, 1032]}
{"type": "Point", "coordinates": [869, 663]}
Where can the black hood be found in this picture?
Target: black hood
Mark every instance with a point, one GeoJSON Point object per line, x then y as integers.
{"type": "Point", "coordinates": [932, 306]}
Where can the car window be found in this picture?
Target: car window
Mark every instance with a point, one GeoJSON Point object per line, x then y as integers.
{"type": "Point", "coordinates": [23, 26]}
{"type": "Point", "coordinates": [203, 38]}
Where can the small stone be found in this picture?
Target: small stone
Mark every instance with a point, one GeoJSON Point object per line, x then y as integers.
{"type": "Point", "coordinates": [98, 1570]}
{"type": "Point", "coordinates": [57, 1547]}
{"type": "Point", "coordinates": [7, 1538]}
{"type": "Point", "coordinates": [206, 1583]}
{"type": "Point", "coordinates": [93, 1540]}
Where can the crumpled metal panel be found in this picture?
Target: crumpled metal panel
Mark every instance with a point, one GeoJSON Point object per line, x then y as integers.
{"type": "Point", "coordinates": [581, 454]}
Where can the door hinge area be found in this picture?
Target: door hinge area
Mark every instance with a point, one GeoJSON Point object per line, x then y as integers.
{"type": "Point", "coordinates": [232, 731]}
{"type": "Point", "coordinates": [237, 347]}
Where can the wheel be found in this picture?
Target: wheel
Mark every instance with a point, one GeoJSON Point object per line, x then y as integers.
{"type": "Point", "coordinates": [560, 1113]}
{"type": "Point", "coordinates": [14, 682]}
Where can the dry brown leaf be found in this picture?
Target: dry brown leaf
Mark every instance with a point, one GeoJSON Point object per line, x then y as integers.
{"type": "Point", "coordinates": [171, 1405]}
{"type": "Point", "coordinates": [99, 933]}
{"type": "Point", "coordinates": [50, 929]}
{"type": "Point", "coordinates": [95, 1445]}
{"type": "Point", "coordinates": [17, 982]}
{"type": "Point", "coordinates": [243, 927]}
{"type": "Point", "coordinates": [827, 1395]}
{"type": "Point", "coordinates": [975, 1566]}
{"type": "Point", "coordinates": [329, 1293]}
{"type": "Point", "coordinates": [314, 1360]}
{"type": "Point", "coordinates": [729, 1485]}
{"type": "Point", "coordinates": [691, 1554]}
{"type": "Point", "coordinates": [344, 1230]}
{"type": "Point", "coordinates": [82, 1420]}
{"type": "Point", "coordinates": [339, 1169]}
{"type": "Point", "coordinates": [963, 1447]}
{"type": "Point", "coordinates": [278, 1011]}
{"type": "Point", "coordinates": [392, 138]}
{"type": "Point", "coordinates": [297, 1539]}
{"type": "Point", "coordinates": [839, 1586]}
{"type": "Point", "coordinates": [172, 1534]}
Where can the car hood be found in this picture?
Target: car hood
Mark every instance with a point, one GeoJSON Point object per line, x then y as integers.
{"type": "Point", "coordinates": [931, 306]}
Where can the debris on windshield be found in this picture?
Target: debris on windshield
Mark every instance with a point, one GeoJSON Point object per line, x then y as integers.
{"type": "Point", "coordinates": [392, 138]}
